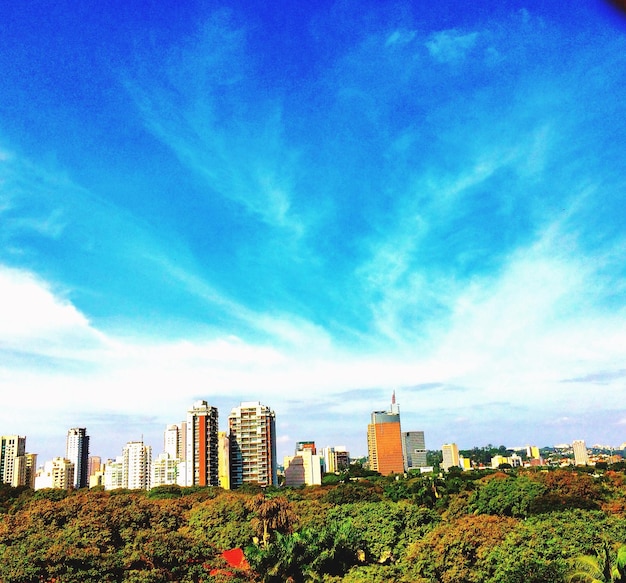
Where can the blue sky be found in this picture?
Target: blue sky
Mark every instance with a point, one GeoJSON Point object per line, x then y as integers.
{"type": "Point", "coordinates": [313, 207]}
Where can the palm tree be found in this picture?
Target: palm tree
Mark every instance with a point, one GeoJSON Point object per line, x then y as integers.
{"type": "Point", "coordinates": [599, 569]}
{"type": "Point", "coordinates": [273, 515]}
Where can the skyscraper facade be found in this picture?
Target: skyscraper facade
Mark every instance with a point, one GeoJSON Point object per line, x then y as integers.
{"type": "Point", "coordinates": [12, 472]}
{"type": "Point", "coordinates": [77, 452]}
{"type": "Point", "coordinates": [202, 464]}
{"type": "Point", "coordinates": [384, 441]}
{"type": "Point", "coordinates": [252, 429]}
{"type": "Point", "coordinates": [414, 449]}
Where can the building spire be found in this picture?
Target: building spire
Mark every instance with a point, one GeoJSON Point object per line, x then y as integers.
{"type": "Point", "coordinates": [394, 406]}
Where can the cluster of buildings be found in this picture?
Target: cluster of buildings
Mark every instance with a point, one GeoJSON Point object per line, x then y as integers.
{"type": "Point", "coordinates": [196, 453]}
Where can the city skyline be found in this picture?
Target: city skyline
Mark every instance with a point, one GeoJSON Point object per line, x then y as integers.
{"type": "Point", "coordinates": [171, 441]}
{"type": "Point", "coordinates": [312, 207]}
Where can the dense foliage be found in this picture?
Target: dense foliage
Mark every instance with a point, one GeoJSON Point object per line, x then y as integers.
{"type": "Point", "coordinates": [519, 526]}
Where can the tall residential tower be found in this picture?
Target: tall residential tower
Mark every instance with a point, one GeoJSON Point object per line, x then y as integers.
{"type": "Point", "coordinates": [252, 445]}
{"type": "Point", "coordinates": [77, 451]}
{"type": "Point", "coordinates": [202, 445]}
{"type": "Point", "coordinates": [12, 466]}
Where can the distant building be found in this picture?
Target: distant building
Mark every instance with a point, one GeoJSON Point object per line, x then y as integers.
{"type": "Point", "coordinates": [301, 445]}
{"type": "Point", "coordinates": [77, 451]}
{"type": "Point", "coordinates": [451, 458]}
{"type": "Point", "coordinates": [164, 470]}
{"type": "Point", "coordinates": [223, 458]}
{"type": "Point", "coordinates": [114, 474]}
{"type": "Point", "coordinates": [414, 449]}
{"type": "Point", "coordinates": [94, 465]}
{"type": "Point", "coordinates": [384, 441]}
{"type": "Point", "coordinates": [57, 473]}
{"type": "Point", "coordinates": [175, 440]}
{"type": "Point", "coordinates": [97, 478]}
{"type": "Point", "coordinates": [336, 459]}
{"type": "Point", "coordinates": [12, 472]}
{"type": "Point", "coordinates": [498, 460]}
{"type": "Point", "coordinates": [136, 462]}
{"type": "Point", "coordinates": [252, 429]}
{"type": "Point", "coordinates": [202, 445]}
{"type": "Point", "coordinates": [305, 468]}
{"type": "Point", "coordinates": [532, 452]}
{"type": "Point", "coordinates": [31, 469]}
{"type": "Point", "coordinates": [581, 456]}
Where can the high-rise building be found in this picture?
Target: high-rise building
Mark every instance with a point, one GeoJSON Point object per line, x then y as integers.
{"type": "Point", "coordinates": [12, 472]}
{"type": "Point", "coordinates": [252, 429]}
{"type": "Point", "coordinates": [57, 473]}
{"type": "Point", "coordinates": [202, 445]}
{"type": "Point", "coordinates": [384, 441]}
{"type": "Point", "coordinates": [581, 457]}
{"type": "Point", "coordinates": [451, 457]}
{"type": "Point", "coordinates": [164, 470]}
{"type": "Point", "coordinates": [414, 449]}
{"type": "Point", "coordinates": [77, 451]}
{"type": "Point", "coordinates": [175, 440]}
{"type": "Point", "coordinates": [114, 474]}
{"type": "Point", "coordinates": [136, 461]}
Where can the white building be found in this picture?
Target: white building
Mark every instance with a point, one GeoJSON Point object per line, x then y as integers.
{"type": "Point", "coordinates": [12, 471]}
{"type": "Point", "coordinates": [136, 459]}
{"type": "Point", "coordinates": [164, 470]}
{"type": "Point", "coordinates": [175, 440]}
{"type": "Point", "coordinates": [114, 474]}
{"type": "Point", "coordinates": [57, 473]}
{"type": "Point", "coordinates": [252, 445]}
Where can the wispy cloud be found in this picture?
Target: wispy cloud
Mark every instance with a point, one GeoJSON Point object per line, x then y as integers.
{"type": "Point", "coordinates": [601, 377]}
{"type": "Point", "coordinates": [451, 45]}
{"type": "Point", "coordinates": [184, 103]}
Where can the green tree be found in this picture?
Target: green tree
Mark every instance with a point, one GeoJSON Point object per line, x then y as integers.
{"type": "Point", "coordinates": [505, 495]}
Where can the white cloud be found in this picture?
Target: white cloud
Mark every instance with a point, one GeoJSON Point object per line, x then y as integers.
{"type": "Point", "coordinates": [32, 315]}
{"type": "Point", "coordinates": [449, 46]}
